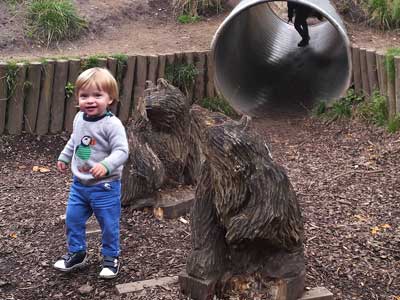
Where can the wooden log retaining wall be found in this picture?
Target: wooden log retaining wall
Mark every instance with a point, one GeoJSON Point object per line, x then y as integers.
{"type": "Point", "coordinates": [42, 100]}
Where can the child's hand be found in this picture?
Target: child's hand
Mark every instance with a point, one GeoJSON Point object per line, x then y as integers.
{"type": "Point", "coordinates": [61, 166]}
{"type": "Point", "coordinates": [98, 170]}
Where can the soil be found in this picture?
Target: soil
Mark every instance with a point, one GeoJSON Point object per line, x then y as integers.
{"type": "Point", "coordinates": [144, 27]}
{"type": "Point", "coordinates": [345, 174]}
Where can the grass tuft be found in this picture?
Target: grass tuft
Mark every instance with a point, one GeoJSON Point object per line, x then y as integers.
{"type": "Point", "coordinates": [194, 8]}
{"type": "Point", "coordinates": [181, 75]}
{"type": "Point", "coordinates": [53, 20]}
{"type": "Point", "coordinates": [384, 13]}
{"type": "Point", "coordinates": [217, 104]}
{"type": "Point", "coordinates": [186, 19]}
{"type": "Point", "coordinates": [373, 110]}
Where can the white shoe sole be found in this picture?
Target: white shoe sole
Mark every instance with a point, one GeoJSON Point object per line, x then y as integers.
{"type": "Point", "coordinates": [109, 276]}
{"type": "Point", "coordinates": [77, 266]}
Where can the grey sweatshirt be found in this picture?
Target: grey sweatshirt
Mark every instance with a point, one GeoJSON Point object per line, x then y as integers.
{"type": "Point", "coordinates": [96, 140]}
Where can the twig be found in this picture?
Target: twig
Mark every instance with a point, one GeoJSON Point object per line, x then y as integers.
{"type": "Point", "coordinates": [29, 287]}
{"type": "Point", "coordinates": [356, 172]}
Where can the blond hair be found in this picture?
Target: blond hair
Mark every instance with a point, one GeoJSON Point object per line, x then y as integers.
{"type": "Point", "coordinates": [100, 77]}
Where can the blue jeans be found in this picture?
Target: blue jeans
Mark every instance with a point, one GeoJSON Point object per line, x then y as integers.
{"type": "Point", "coordinates": [104, 201]}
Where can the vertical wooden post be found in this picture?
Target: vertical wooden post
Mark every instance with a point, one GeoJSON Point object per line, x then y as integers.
{"type": "Point", "coordinates": [102, 63]}
{"type": "Point", "coordinates": [188, 58]}
{"type": "Point", "coordinates": [397, 82]}
{"type": "Point", "coordinates": [152, 68]}
{"type": "Point", "coordinates": [71, 103]}
{"type": "Point", "coordinates": [140, 80]}
{"type": "Point", "coordinates": [161, 65]}
{"type": "Point", "coordinates": [126, 90]}
{"type": "Point", "coordinates": [364, 72]}
{"type": "Point", "coordinates": [58, 97]}
{"type": "Point", "coordinates": [199, 87]}
{"type": "Point", "coordinates": [210, 90]}
{"type": "Point", "coordinates": [357, 70]}
{"type": "Point", "coordinates": [32, 97]}
{"type": "Point", "coordinates": [372, 71]}
{"type": "Point", "coordinates": [112, 67]}
{"type": "Point", "coordinates": [43, 120]}
{"type": "Point", "coordinates": [391, 94]}
{"type": "Point", "coordinates": [3, 96]}
{"type": "Point", "coordinates": [169, 64]}
{"type": "Point", "coordinates": [16, 104]}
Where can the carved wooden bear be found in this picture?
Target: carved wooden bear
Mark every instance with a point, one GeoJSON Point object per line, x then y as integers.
{"type": "Point", "coordinates": [246, 218]}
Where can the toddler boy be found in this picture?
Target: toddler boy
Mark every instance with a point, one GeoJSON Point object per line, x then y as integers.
{"type": "Point", "coordinates": [96, 151]}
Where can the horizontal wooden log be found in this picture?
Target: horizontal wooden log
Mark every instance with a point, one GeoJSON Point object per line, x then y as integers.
{"type": "Point", "coordinates": [131, 287]}
{"type": "Point", "coordinates": [317, 293]}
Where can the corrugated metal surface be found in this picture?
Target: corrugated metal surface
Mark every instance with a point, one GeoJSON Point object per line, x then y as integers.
{"type": "Point", "coordinates": [259, 67]}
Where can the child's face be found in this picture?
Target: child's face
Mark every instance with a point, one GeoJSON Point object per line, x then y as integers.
{"type": "Point", "coordinates": [92, 101]}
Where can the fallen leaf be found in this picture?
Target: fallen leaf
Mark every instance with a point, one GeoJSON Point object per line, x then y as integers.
{"type": "Point", "coordinates": [360, 218]}
{"type": "Point", "coordinates": [40, 169]}
{"type": "Point", "coordinates": [374, 230]}
{"type": "Point", "coordinates": [13, 235]}
{"type": "Point", "coordinates": [385, 226]}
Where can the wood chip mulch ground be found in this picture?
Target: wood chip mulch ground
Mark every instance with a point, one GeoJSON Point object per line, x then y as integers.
{"type": "Point", "coordinates": [346, 175]}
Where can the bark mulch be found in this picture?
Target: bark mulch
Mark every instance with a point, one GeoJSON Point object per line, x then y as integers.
{"type": "Point", "coordinates": [346, 175]}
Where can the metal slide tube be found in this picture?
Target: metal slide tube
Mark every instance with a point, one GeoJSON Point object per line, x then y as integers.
{"type": "Point", "coordinates": [259, 67]}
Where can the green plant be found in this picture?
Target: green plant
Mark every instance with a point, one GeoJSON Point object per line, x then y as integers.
{"type": "Point", "coordinates": [385, 13]}
{"type": "Point", "coordinates": [91, 62]}
{"type": "Point", "coordinates": [53, 20]}
{"type": "Point", "coordinates": [197, 7]}
{"type": "Point", "coordinates": [344, 106]}
{"type": "Point", "coordinates": [186, 19]}
{"type": "Point", "coordinates": [319, 109]}
{"type": "Point", "coordinates": [341, 108]}
{"type": "Point", "coordinates": [394, 124]}
{"type": "Point", "coordinates": [181, 75]}
{"type": "Point", "coordinates": [375, 110]}
{"type": "Point", "coordinates": [69, 90]}
{"type": "Point", "coordinates": [219, 105]}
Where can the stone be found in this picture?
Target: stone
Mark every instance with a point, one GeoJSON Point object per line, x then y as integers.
{"type": "Point", "coordinates": [136, 286]}
{"type": "Point", "coordinates": [318, 293]}
{"type": "Point", "coordinates": [85, 289]}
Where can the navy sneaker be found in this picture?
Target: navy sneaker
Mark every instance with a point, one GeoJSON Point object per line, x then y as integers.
{"type": "Point", "coordinates": [303, 43]}
{"type": "Point", "coordinates": [110, 267]}
{"type": "Point", "coordinates": [71, 261]}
